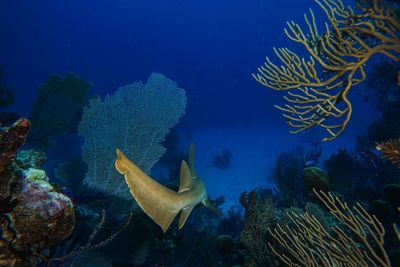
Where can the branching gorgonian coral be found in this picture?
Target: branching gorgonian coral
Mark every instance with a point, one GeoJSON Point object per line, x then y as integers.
{"type": "Point", "coordinates": [357, 242]}
{"type": "Point", "coordinates": [336, 63]}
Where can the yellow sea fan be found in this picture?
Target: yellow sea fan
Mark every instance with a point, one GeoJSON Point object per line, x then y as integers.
{"type": "Point", "coordinates": [390, 150]}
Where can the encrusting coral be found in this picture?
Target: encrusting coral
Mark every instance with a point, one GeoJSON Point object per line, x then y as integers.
{"type": "Point", "coordinates": [336, 63]}
{"type": "Point", "coordinates": [33, 215]}
{"type": "Point", "coordinates": [11, 138]}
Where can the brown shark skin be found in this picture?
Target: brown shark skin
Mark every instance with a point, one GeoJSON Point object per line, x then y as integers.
{"type": "Point", "coordinates": [157, 201]}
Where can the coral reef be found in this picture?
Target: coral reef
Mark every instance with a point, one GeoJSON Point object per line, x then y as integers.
{"type": "Point", "coordinates": [391, 194]}
{"type": "Point", "coordinates": [145, 244]}
{"type": "Point", "coordinates": [79, 244]}
{"type": "Point", "coordinates": [231, 223]}
{"type": "Point", "coordinates": [11, 139]}
{"type": "Point", "coordinates": [284, 215]}
{"type": "Point", "coordinates": [225, 244]}
{"type": "Point", "coordinates": [382, 210]}
{"type": "Point", "coordinates": [260, 214]}
{"type": "Point", "coordinates": [33, 215]}
{"type": "Point", "coordinates": [390, 151]}
{"type": "Point", "coordinates": [57, 109]}
{"type": "Point", "coordinates": [358, 242]}
{"type": "Point", "coordinates": [345, 172]}
{"type": "Point", "coordinates": [315, 211]}
{"type": "Point", "coordinates": [314, 177]}
{"type": "Point", "coordinates": [296, 173]}
{"type": "Point", "coordinates": [287, 176]}
{"type": "Point", "coordinates": [229, 251]}
{"type": "Point", "coordinates": [336, 63]}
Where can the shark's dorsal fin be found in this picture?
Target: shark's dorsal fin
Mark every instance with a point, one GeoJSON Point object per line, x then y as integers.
{"type": "Point", "coordinates": [186, 178]}
{"type": "Point", "coordinates": [138, 181]}
{"type": "Point", "coordinates": [184, 215]}
{"type": "Point", "coordinates": [191, 160]}
{"type": "Point", "coordinates": [206, 202]}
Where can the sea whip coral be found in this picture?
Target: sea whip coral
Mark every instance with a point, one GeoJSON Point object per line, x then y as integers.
{"type": "Point", "coordinates": [318, 86]}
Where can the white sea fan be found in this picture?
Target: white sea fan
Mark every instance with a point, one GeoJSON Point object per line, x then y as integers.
{"type": "Point", "coordinates": [136, 119]}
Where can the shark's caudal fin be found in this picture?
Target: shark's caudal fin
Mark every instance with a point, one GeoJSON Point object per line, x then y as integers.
{"type": "Point", "coordinates": [184, 215]}
{"type": "Point", "coordinates": [155, 199]}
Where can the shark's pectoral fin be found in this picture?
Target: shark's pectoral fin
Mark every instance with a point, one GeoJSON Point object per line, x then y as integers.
{"type": "Point", "coordinates": [206, 202]}
{"type": "Point", "coordinates": [184, 215]}
{"type": "Point", "coordinates": [186, 178]}
{"type": "Point", "coordinates": [163, 218]}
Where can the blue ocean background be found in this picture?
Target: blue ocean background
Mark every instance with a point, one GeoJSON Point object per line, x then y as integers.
{"type": "Point", "coordinates": [210, 48]}
{"type": "Point", "coordinates": [254, 170]}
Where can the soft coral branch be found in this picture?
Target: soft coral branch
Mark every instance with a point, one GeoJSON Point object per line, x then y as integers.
{"type": "Point", "coordinates": [390, 150]}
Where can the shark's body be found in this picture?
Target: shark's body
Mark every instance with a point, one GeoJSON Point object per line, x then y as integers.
{"type": "Point", "coordinates": [159, 202]}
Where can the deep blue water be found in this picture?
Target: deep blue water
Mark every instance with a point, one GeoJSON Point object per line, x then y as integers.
{"type": "Point", "coordinates": [209, 48]}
